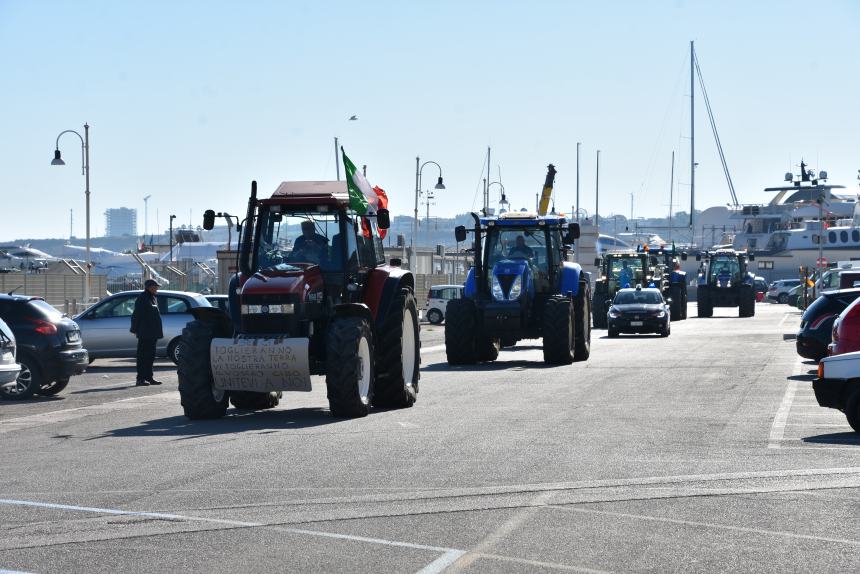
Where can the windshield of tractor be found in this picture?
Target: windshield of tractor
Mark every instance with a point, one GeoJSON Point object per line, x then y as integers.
{"type": "Point", "coordinates": [286, 238]}
{"type": "Point", "coordinates": [517, 243]}
{"type": "Point", "coordinates": [723, 269]}
{"type": "Point", "coordinates": [626, 271]}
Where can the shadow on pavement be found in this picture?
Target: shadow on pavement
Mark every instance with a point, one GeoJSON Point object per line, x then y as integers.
{"type": "Point", "coordinates": [840, 438]}
{"type": "Point", "coordinates": [236, 421]}
{"type": "Point", "coordinates": [498, 365]}
{"type": "Point", "coordinates": [807, 378]}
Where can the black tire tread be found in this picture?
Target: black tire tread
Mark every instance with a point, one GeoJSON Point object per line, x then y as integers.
{"type": "Point", "coordinates": [582, 325]}
{"type": "Point", "coordinates": [460, 327]}
{"type": "Point", "coordinates": [342, 367]}
{"type": "Point", "coordinates": [391, 390]}
{"type": "Point", "coordinates": [254, 401]}
{"type": "Point", "coordinates": [53, 388]}
{"type": "Point", "coordinates": [558, 332]}
{"type": "Point", "coordinates": [195, 374]}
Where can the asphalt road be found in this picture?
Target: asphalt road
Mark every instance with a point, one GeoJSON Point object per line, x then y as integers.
{"type": "Point", "coordinates": [703, 452]}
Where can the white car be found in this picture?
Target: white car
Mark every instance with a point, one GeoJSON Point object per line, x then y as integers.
{"type": "Point", "coordinates": [838, 385]}
{"type": "Point", "coordinates": [437, 301]}
{"type": "Point", "coordinates": [778, 292]}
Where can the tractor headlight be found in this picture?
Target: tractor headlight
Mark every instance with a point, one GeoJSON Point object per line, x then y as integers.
{"type": "Point", "coordinates": [498, 294]}
{"type": "Point", "coordinates": [516, 288]}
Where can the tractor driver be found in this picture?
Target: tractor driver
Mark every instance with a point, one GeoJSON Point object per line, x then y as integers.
{"type": "Point", "coordinates": [521, 250]}
{"type": "Point", "coordinates": [310, 246]}
{"type": "Point", "coordinates": [625, 275]}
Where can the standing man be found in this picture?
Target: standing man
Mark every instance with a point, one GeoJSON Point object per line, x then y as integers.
{"type": "Point", "coordinates": [146, 324]}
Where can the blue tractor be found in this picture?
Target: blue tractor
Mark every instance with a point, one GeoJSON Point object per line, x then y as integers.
{"type": "Point", "coordinates": [726, 282]}
{"type": "Point", "coordinates": [521, 287]}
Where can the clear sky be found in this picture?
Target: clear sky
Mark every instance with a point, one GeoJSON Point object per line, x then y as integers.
{"type": "Point", "coordinates": [190, 101]}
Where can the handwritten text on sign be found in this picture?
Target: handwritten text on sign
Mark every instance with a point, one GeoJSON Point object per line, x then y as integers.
{"type": "Point", "coordinates": [261, 364]}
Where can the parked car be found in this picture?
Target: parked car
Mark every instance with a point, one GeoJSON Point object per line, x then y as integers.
{"type": "Point", "coordinates": [846, 331]}
{"type": "Point", "coordinates": [9, 368]}
{"type": "Point", "coordinates": [838, 386]}
{"type": "Point", "coordinates": [437, 301]}
{"type": "Point", "coordinates": [795, 295]}
{"type": "Point", "coordinates": [760, 286]}
{"type": "Point", "coordinates": [105, 326]}
{"type": "Point", "coordinates": [816, 323]}
{"type": "Point", "coordinates": [778, 292]}
{"type": "Point", "coordinates": [48, 346]}
{"type": "Point", "coordinates": [220, 301]}
{"type": "Point", "coordinates": [638, 311]}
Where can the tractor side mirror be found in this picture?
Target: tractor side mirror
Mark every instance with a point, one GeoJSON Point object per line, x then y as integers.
{"type": "Point", "coordinates": [208, 219]}
{"type": "Point", "coordinates": [683, 256]}
{"type": "Point", "coordinates": [597, 262]}
{"type": "Point", "coordinates": [698, 257]}
{"type": "Point", "coordinates": [752, 257]}
{"type": "Point", "coordinates": [573, 231]}
{"type": "Point", "coordinates": [383, 219]}
{"type": "Point", "coordinates": [460, 233]}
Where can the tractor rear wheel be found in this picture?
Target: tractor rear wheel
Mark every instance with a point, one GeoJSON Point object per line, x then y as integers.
{"type": "Point", "coordinates": [746, 302]}
{"type": "Point", "coordinates": [399, 355]}
{"type": "Point", "coordinates": [253, 401]}
{"type": "Point", "coordinates": [703, 303]}
{"type": "Point", "coordinates": [598, 310]}
{"type": "Point", "coordinates": [199, 399]}
{"type": "Point", "coordinates": [558, 331]}
{"type": "Point", "coordinates": [349, 367]}
{"type": "Point", "coordinates": [582, 335]}
{"type": "Point", "coordinates": [460, 325]}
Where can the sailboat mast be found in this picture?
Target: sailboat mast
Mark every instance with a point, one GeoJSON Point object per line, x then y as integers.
{"type": "Point", "coordinates": [692, 143]}
{"type": "Point", "coordinates": [671, 194]}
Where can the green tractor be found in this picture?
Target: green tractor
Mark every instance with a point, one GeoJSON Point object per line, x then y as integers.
{"type": "Point", "coordinates": [726, 282]}
{"type": "Point", "coordinates": [618, 270]}
{"type": "Point", "coordinates": [674, 282]}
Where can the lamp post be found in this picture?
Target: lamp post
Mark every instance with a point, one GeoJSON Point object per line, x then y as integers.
{"type": "Point", "coordinates": [503, 201]}
{"type": "Point", "coordinates": [85, 170]}
{"type": "Point", "coordinates": [419, 168]}
{"type": "Point", "coordinates": [172, 217]}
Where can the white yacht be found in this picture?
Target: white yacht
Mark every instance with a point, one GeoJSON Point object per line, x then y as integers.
{"type": "Point", "coordinates": [794, 206]}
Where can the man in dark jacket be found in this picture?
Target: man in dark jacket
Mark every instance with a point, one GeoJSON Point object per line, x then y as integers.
{"type": "Point", "coordinates": [146, 324]}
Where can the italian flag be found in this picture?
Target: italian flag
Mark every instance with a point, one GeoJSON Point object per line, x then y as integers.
{"type": "Point", "coordinates": [362, 199]}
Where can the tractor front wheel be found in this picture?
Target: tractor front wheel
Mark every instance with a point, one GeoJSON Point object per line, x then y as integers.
{"type": "Point", "coordinates": [558, 331]}
{"type": "Point", "coordinates": [254, 401]}
{"type": "Point", "coordinates": [460, 326]}
{"type": "Point", "coordinates": [676, 309]}
{"type": "Point", "coordinates": [349, 367]}
{"type": "Point", "coordinates": [399, 355]}
{"type": "Point", "coordinates": [200, 400]}
{"type": "Point", "coordinates": [703, 303]}
{"type": "Point", "coordinates": [598, 310]}
{"type": "Point", "coordinates": [746, 305]}
{"type": "Point", "coordinates": [582, 336]}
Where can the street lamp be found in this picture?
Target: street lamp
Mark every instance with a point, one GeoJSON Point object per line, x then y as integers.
{"type": "Point", "coordinates": [85, 171]}
{"type": "Point", "coordinates": [172, 217]}
{"type": "Point", "coordinates": [503, 201]}
{"type": "Point", "coordinates": [419, 168]}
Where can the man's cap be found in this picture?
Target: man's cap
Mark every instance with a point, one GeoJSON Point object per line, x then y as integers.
{"type": "Point", "coordinates": [150, 283]}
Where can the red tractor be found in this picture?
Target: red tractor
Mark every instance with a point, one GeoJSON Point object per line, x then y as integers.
{"type": "Point", "coordinates": [313, 296]}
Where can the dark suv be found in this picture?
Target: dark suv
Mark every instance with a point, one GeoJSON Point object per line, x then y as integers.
{"type": "Point", "coordinates": [816, 323]}
{"type": "Point", "coordinates": [49, 346]}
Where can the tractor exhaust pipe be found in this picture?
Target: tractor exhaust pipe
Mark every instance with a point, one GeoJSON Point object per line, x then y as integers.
{"type": "Point", "coordinates": [478, 251]}
{"type": "Point", "coordinates": [247, 234]}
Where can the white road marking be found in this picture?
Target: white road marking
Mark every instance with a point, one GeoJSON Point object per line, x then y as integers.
{"type": "Point", "coordinates": [777, 429]}
{"type": "Point", "coordinates": [448, 557]}
{"type": "Point", "coordinates": [714, 525]}
{"type": "Point", "coordinates": [539, 564]}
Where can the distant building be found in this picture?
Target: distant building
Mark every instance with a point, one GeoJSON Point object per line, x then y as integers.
{"type": "Point", "coordinates": [120, 221]}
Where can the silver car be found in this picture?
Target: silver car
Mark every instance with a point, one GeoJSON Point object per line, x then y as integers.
{"type": "Point", "coordinates": [105, 326]}
{"type": "Point", "coordinates": [9, 369]}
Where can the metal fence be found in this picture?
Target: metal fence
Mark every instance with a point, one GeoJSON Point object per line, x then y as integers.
{"type": "Point", "coordinates": [63, 291]}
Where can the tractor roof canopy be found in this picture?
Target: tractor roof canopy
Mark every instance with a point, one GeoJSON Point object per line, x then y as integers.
{"type": "Point", "coordinates": [524, 218]}
{"type": "Point", "coordinates": [332, 193]}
